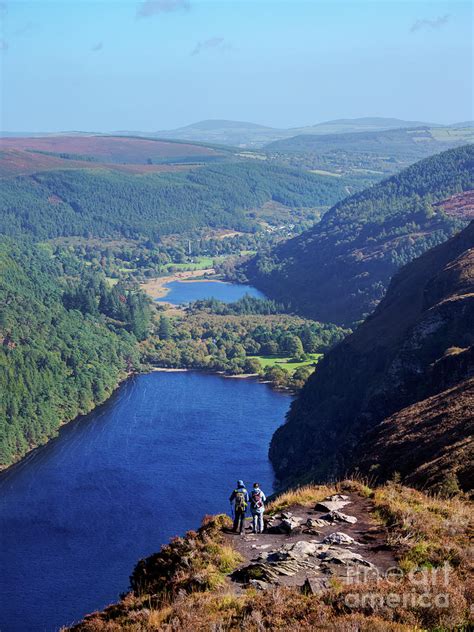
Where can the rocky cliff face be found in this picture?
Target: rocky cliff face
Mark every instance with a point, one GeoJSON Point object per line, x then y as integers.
{"type": "Point", "coordinates": [396, 395]}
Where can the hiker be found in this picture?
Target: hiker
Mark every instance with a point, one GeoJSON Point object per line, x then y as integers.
{"type": "Point", "coordinates": [240, 498]}
{"type": "Point", "coordinates": [257, 507]}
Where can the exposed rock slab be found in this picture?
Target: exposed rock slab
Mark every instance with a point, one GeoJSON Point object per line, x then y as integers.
{"type": "Point", "coordinates": [338, 537]}
{"type": "Point", "coordinates": [333, 503]}
{"type": "Point", "coordinates": [314, 585]}
{"type": "Point", "coordinates": [343, 556]}
{"type": "Point", "coordinates": [338, 516]}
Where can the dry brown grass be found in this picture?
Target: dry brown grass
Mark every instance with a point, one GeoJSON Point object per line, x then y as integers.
{"type": "Point", "coordinates": [305, 496]}
{"type": "Point", "coordinates": [426, 530]}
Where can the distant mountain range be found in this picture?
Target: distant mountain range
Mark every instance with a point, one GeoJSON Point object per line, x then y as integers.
{"type": "Point", "coordinates": [253, 135]}
{"type": "Point", "coordinates": [242, 134]}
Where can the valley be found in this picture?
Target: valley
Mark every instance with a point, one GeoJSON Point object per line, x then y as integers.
{"type": "Point", "coordinates": [339, 270]}
{"type": "Point", "coordinates": [136, 275]}
{"type": "Point", "coordinates": [236, 316]}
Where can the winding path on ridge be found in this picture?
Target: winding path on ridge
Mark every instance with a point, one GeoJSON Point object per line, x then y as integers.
{"type": "Point", "coordinates": [296, 549]}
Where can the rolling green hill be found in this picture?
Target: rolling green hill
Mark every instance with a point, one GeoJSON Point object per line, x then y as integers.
{"type": "Point", "coordinates": [106, 203]}
{"type": "Point", "coordinates": [339, 270]}
{"type": "Point", "coordinates": [373, 152]}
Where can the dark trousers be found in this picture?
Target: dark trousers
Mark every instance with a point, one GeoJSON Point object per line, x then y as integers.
{"type": "Point", "coordinates": [239, 520]}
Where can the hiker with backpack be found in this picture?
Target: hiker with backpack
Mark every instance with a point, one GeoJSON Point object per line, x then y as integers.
{"type": "Point", "coordinates": [257, 507]}
{"type": "Point", "coordinates": [240, 498]}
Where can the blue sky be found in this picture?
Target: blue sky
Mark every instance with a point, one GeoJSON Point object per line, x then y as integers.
{"type": "Point", "coordinates": [161, 64]}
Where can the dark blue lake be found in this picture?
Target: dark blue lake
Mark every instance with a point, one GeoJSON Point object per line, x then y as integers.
{"type": "Point", "coordinates": [78, 514]}
{"type": "Point", "coordinates": [181, 292]}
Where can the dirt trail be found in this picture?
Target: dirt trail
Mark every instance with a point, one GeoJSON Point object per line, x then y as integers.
{"type": "Point", "coordinates": [294, 550]}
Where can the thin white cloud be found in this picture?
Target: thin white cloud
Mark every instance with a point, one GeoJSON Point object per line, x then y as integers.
{"type": "Point", "coordinates": [97, 47]}
{"type": "Point", "coordinates": [430, 24]}
{"type": "Point", "coordinates": [216, 43]}
{"type": "Point", "coordinates": [154, 7]}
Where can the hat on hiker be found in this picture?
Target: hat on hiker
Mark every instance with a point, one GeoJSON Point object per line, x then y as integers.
{"type": "Point", "coordinates": [240, 484]}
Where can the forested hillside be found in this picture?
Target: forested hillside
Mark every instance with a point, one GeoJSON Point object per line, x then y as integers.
{"type": "Point", "coordinates": [339, 270]}
{"type": "Point", "coordinates": [63, 345]}
{"type": "Point", "coordinates": [397, 395]}
{"type": "Point", "coordinates": [104, 203]}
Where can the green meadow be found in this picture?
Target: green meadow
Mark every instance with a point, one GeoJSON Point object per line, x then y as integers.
{"type": "Point", "coordinates": [287, 363]}
{"type": "Point", "coordinates": [199, 263]}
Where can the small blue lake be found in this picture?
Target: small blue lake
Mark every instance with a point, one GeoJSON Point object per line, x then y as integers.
{"type": "Point", "coordinates": [181, 292]}
{"type": "Point", "coordinates": [78, 514]}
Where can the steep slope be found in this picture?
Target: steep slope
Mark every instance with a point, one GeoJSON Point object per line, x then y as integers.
{"type": "Point", "coordinates": [354, 411]}
{"type": "Point", "coordinates": [427, 440]}
{"type": "Point", "coordinates": [339, 270]}
{"type": "Point", "coordinates": [58, 358]}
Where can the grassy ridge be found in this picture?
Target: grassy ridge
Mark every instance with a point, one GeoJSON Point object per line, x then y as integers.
{"type": "Point", "coordinates": [183, 588]}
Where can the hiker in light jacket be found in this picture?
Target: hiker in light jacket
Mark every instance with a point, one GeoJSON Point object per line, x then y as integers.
{"type": "Point", "coordinates": [257, 507]}
{"type": "Point", "coordinates": [240, 498]}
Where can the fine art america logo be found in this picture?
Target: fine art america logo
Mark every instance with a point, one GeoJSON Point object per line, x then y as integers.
{"type": "Point", "coordinates": [417, 588]}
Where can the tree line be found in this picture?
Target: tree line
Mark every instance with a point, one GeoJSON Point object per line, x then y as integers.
{"type": "Point", "coordinates": [211, 340]}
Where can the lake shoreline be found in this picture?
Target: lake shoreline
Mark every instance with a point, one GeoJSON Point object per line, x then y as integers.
{"type": "Point", "coordinates": [63, 424]}
{"type": "Point", "coordinates": [228, 376]}
{"type": "Point", "coordinates": [130, 467]}
{"type": "Point", "coordinates": [156, 288]}
{"type": "Point", "coordinates": [121, 382]}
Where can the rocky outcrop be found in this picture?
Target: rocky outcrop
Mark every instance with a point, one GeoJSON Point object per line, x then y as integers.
{"type": "Point", "coordinates": [340, 580]}
{"type": "Point", "coordinates": [366, 398]}
{"type": "Point", "coordinates": [295, 557]}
